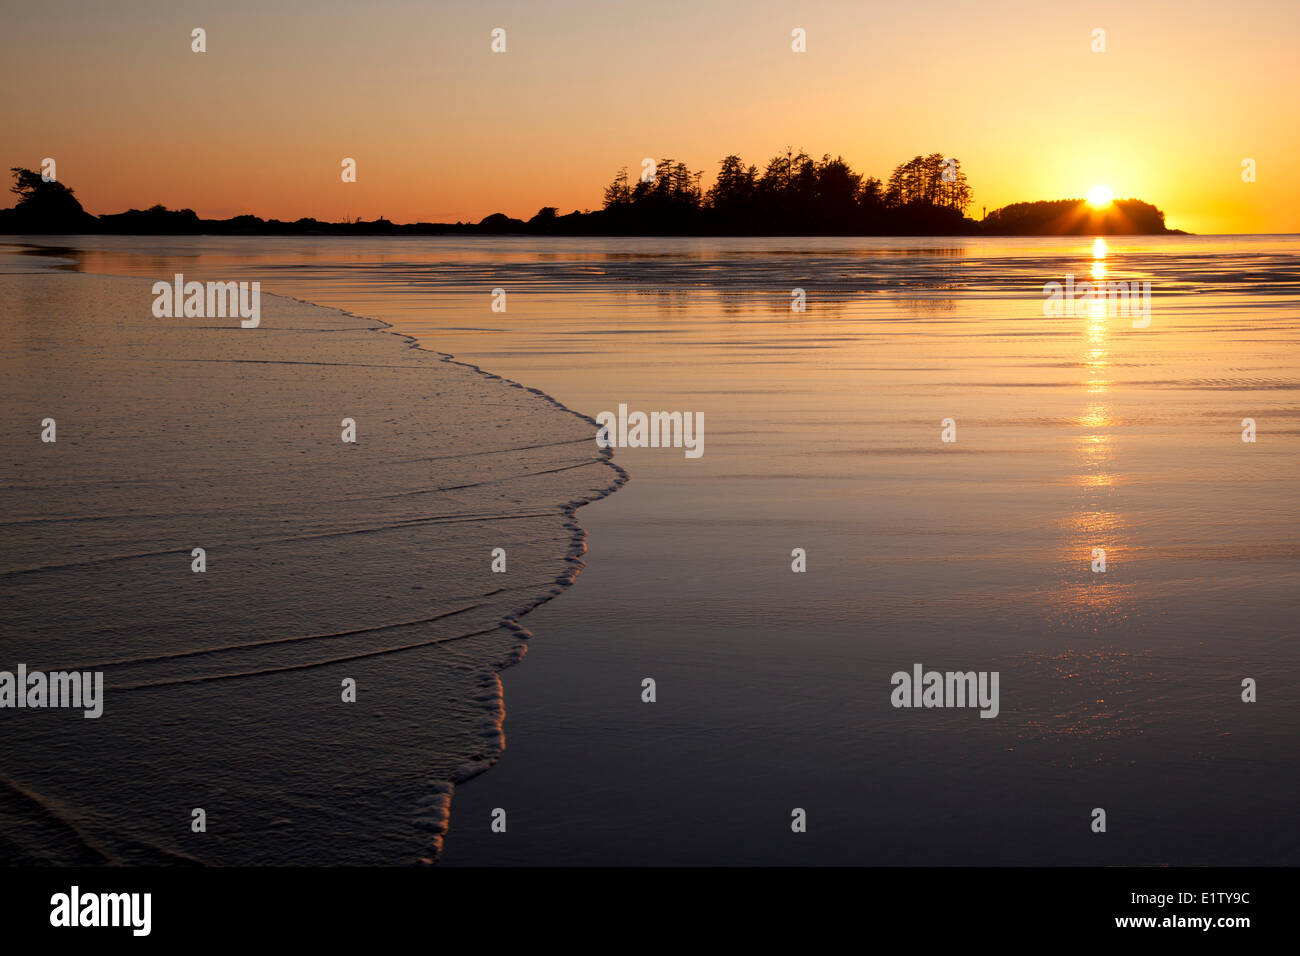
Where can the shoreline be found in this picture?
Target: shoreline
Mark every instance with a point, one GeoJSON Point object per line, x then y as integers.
{"type": "Point", "coordinates": [774, 688]}
{"type": "Point", "coordinates": [158, 669]}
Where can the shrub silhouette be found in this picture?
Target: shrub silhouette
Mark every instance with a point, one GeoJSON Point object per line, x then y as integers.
{"type": "Point", "coordinates": [44, 207]}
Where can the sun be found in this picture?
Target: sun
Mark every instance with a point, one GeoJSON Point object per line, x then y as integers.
{"type": "Point", "coordinates": [1099, 196]}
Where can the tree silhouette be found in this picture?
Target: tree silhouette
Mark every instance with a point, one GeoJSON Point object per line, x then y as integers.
{"type": "Point", "coordinates": [44, 206]}
{"type": "Point", "coordinates": [1074, 217]}
{"type": "Point", "coordinates": [795, 194]}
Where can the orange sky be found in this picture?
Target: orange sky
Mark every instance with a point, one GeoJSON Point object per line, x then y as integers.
{"type": "Point", "coordinates": [444, 129]}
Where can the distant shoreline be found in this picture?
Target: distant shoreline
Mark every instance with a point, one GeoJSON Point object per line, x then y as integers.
{"type": "Point", "coordinates": [796, 196]}
{"type": "Point", "coordinates": [174, 223]}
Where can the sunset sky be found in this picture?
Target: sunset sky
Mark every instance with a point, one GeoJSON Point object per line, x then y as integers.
{"type": "Point", "coordinates": [443, 129]}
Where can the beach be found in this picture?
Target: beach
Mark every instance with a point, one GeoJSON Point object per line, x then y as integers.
{"type": "Point", "coordinates": [319, 674]}
{"type": "Point", "coordinates": [1119, 689]}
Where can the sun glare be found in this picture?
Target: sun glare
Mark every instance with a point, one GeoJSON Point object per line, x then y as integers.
{"type": "Point", "coordinates": [1099, 196]}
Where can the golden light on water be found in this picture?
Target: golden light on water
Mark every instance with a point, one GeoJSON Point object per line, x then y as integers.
{"type": "Point", "coordinates": [1096, 416]}
{"type": "Point", "coordinates": [1088, 599]}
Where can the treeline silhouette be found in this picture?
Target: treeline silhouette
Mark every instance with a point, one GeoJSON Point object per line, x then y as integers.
{"type": "Point", "coordinates": [44, 207]}
{"type": "Point", "coordinates": [1074, 217]}
{"type": "Point", "coordinates": [793, 195]}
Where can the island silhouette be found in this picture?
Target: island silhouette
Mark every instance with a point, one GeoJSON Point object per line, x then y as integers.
{"type": "Point", "coordinates": [794, 195]}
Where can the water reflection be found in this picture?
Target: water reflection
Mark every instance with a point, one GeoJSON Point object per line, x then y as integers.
{"type": "Point", "coordinates": [1089, 710]}
{"type": "Point", "coordinates": [1095, 536]}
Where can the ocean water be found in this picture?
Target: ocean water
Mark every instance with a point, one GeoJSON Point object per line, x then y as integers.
{"type": "Point", "coordinates": [325, 562]}
{"type": "Point", "coordinates": [1119, 690]}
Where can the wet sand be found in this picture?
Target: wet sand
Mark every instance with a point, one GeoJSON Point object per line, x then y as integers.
{"type": "Point", "coordinates": [1119, 690]}
{"type": "Point", "coordinates": [325, 561]}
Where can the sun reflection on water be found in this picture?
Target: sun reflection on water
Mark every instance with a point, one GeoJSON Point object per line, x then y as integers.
{"type": "Point", "coordinates": [1090, 599]}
